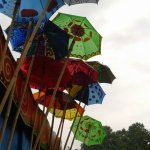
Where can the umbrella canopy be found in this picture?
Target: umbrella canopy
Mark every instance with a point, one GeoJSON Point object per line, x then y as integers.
{"type": "Point", "coordinates": [61, 101]}
{"type": "Point", "coordinates": [105, 74]}
{"type": "Point", "coordinates": [30, 10]}
{"type": "Point", "coordinates": [87, 39]}
{"type": "Point", "coordinates": [91, 94]}
{"type": "Point", "coordinates": [45, 72]}
{"type": "Point", "coordinates": [89, 131]}
{"type": "Point", "coordinates": [73, 2]}
{"type": "Point", "coordinates": [50, 40]}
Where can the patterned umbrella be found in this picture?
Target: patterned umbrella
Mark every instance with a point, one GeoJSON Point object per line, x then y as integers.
{"type": "Point", "coordinates": [89, 131]}
{"type": "Point", "coordinates": [62, 100]}
{"type": "Point", "coordinates": [50, 40]}
{"type": "Point", "coordinates": [30, 10]}
{"type": "Point", "coordinates": [91, 94]}
{"type": "Point", "coordinates": [45, 72]}
{"type": "Point", "coordinates": [87, 39]}
{"type": "Point", "coordinates": [73, 2]}
{"type": "Point", "coordinates": [105, 74]}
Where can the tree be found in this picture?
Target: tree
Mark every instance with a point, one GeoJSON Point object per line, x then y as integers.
{"type": "Point", "coordinates": [135, 138]}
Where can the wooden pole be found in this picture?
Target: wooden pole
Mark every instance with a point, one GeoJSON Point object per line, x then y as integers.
{"type": "Point", "coordinates": [53, 97]}
{"type": "Point", "coordinates": [7, 114]}
{"type": "Point", "coordinates": [9, 35]}
{"type": "Point", "coordinates": [74, 120]}
{"type": "Point", "coordinates": [23, 55]}
{"type": "Point", "coordinates": [53, 117]}
{"type": "Point", "coordinates": [19, 107]}
{"type": "Point", "coordinates": [76, 131]}
{"type": "Point", "coordinates": [15, 75]}
{"type": "Point", "coordinates": [55, 90]}
{"type": "Point", "coordinates": [61, 122]}
{"type": "Point", "coordinates": [35, 118]}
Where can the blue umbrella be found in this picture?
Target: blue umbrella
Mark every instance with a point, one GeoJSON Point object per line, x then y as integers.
{"type": "Point", "coordinates": [50, 40]}
{"type": "Point", "coordinates": [30, 10]}
{"type": "Point", "coordinates": [91, 94]}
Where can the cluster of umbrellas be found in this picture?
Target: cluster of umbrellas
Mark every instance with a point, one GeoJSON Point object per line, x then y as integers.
{"type": "Point", "coordinates": [54, 60]}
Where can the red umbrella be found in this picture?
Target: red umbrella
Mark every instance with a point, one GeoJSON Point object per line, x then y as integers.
{"type": "Point", "coordinates": [45, 72]}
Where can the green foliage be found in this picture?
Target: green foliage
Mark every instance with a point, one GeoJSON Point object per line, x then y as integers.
{"type": "Point", "coordinates": [135, 138]}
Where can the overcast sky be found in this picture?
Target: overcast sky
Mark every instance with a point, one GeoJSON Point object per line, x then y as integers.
{"type": "Point", "coordinates": [125, 28]}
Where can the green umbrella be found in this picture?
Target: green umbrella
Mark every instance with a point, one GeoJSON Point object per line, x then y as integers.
{"type": "Point", "coordinates": [89, 130]}
{"type": "Point", "coordinates": [86, 40]}
{"type": "Point", "coordinates": [105, 74]}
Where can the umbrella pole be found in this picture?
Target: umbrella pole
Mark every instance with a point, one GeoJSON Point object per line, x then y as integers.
{"type": "Point", "coordinates": [14, 78]}
{"type": "Point", "coordinates": [76, 130]}
{"type": "Point", "coordinates": [10, 102]}
{"type": "Point", "coordinates": [54, 93]}
{"type": "Point", "coordinates": [9, 34]}
{"type": "Point", "coordinates": [61, 132]}
{"type": "Point", "coordinates": [61, 122]}
{"type": "Point", "coordinates": [7, 114]}
{"type": "Point", "coordinates": [43, 113]}
{"type": "Point", "coordinates": [53, 117]}
{"type": "Point", "coordinates": [53, 97]}
{"type": "Point", "coordinates": [71, 127]}
{"type": "Point", "coordinates": [23, 55]}
{"type": "Point", "coordinates": [36, 111]}
{"type": "Point", "coordinates": [73, 121]}
{"type": "Point", "coordinates": [19, 107]}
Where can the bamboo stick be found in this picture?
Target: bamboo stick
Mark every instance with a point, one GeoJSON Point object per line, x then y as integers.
{"type": "Point", "coordinates": [55, 90]}
{"type": "Point", "coordinates": [73, 120]}
{"type": "Point", "coordinates": [9, 35]}
{"type": "Point", "coordinates": [19, 107]}
{"type": "Point", "coordinates": [61, 122]}
{"type": "Point", "coordinates": [23, 55]}
{"type": "Point", "coordinates": [53, 117]}
{"type": "Point", "coordinates": [35, 118]}
{"type": "Point", "coordinates": [15, 75]}
{"type": "Point", "coordinates": [7, 114]}
{"type": "Point", "coordinates": [76, 130]}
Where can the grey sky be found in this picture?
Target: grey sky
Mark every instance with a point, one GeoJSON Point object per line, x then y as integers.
{"type": "Point", "coordinates": [125, 27]}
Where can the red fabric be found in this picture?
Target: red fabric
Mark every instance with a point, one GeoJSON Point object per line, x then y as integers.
{"type": "Point", "coordinates": [45, 72]}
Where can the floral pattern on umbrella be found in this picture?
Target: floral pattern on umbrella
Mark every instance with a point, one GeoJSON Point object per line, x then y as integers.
{"type": "Point", "coordinates": [89, 131]}
{"type": "Point", "coordinates": [85, 41]}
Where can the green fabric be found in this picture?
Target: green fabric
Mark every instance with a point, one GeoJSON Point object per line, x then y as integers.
{"type": "Point", "coordinates": [90, 131]}
{"type": "Point", "coordinates": [87, 39]}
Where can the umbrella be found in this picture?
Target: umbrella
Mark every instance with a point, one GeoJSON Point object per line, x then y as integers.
{"type": "Point", "coordinates": [105, 74]}
{"type": "Point", "coordinates": [45, 72]}
{"type": "Point", "coordinates": [73, 2]}
{"type": "Point", "coordinates": [30, 10]}
{"type": "Point", "coordinates": [91, 94]}
{"type": "Point", "coordinates": [50, 40]}
{"type": "Point", "coordinates": [89, 131]}
{"type": "Point", "coordinates": [87, 39]}
{"type": "Point", "coordinates": [61, 100]}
